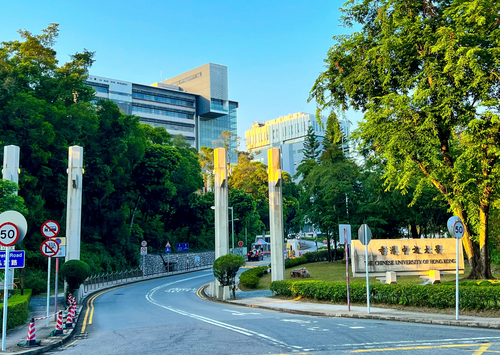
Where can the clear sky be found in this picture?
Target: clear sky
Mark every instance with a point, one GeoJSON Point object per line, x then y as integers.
{"type": "Point", "coordinates": [274, 50]}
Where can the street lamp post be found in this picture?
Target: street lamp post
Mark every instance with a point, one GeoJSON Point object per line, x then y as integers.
{"type": "Point", "coordinates": [232, 227]}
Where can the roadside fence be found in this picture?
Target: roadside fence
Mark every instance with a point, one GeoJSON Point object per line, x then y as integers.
{"type": "Point", "coordinates": [152, 266]}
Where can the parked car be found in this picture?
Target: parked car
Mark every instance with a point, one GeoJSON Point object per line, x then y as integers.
{"type": "Point", "coordinates": [255, 255]}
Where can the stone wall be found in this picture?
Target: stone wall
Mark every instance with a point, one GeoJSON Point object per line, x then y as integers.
{"type": "Point", "coordinates": [156, 263]}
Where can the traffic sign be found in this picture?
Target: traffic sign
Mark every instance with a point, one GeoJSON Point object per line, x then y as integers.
{"type": "Point", "coordinates": [9, 234]}
{"type": "Point", "coordinates": [144, 250]}
{"type": "Point", "coordinates": [49, 248]}
{"type": "Point", "coordinates": [345, 229]}
{"type": "Point", "coordinates": [168, 249]}
{"type": "Point", "coordinates": [365, 239]}
{"type": "Point", "coordinates": [182, 247]}
{"type": "Point", "coordinates": [62, 247]}
{"type": "Point", "coordinates": [18, 219]}
{"type": "Point", "coordinates": [456, 227]}
{"type": "Point", "coordinates": [50, 229]}
{"type": "Point", "coordinates": [168, 245]}
{"type": "Point", "coordinates": [16, 259]}
{"type": "Point", "coordinates": [144, 243]}
{"type": "Point", "coordinates": [240, 243]}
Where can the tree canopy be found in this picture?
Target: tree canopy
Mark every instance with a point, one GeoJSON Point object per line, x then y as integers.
{"type": "Point", "coordinates": [426, 76]}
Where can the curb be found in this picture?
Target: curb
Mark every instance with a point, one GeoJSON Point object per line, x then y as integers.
{"type": "Point", "coordinates": [404, 319]}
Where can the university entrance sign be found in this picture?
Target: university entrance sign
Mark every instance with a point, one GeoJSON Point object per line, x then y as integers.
{"type": "Point", "coordinates": [406, 256]}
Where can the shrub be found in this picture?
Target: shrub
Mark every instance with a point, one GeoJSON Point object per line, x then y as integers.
{"type": "Point", "coordinates": [36, 280]}
{"type": "Point", "coordinates": [250, 278]}
{"type": "Point", "coordinates": [225, 269]}
{"type": "Point", "coordinates": [74, 272]}
{"type": "Point", "coordinates": [18, 308]}
{"type": "Point", "coordinates": [440, 296]}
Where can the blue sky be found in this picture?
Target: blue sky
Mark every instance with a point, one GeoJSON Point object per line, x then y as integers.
{"type": "Point", "coordinates": [274, 50]}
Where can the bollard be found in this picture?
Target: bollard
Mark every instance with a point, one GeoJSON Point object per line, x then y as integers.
{"type": "Point", "coordinates": [32, 335]}
{"type": "Point", "coordinates": [59, 324]}
{"type": "Point", "coordinates": [69, 319]}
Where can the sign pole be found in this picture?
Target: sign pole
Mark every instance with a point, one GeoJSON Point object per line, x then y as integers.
{"type": "Point", "coordinates": [456, 284]}
{"type": "Point", "coordinates": [367, 278]}
{"type": "Point", "coordinates": [48, 292]}
{"type": "Point", "coordinates": [55, 287]}
{"type": "Point", "coordinates": [5, 296]}
{"type": "Point", "coordinates": [347, 269]}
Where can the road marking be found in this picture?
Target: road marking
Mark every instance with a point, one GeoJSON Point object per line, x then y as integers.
{"type": "Point", "coordinates": [357, 327]}
{"type": "Point", "coordinates": [236, 313]}
{"type": "Point", "coordinates": [483, 348]}
{"type": "Point", "coordinates": [240, 330]}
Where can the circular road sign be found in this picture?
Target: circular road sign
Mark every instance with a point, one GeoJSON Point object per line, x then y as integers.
{"type": "Point", "coordinates": [49, 248]}
{"type": "Point", "coordinates": [456, 227]}
{"type": "Point", "coordinates": [240, 243]}
{"type": "Point", "coordinates": [18, 219]}
{"type": "Point", "coordinates": [9, 234]}
{"type": "Point", "coordinates": [50, 229]}
{"type": "Point", "coordinates": [144, 243]}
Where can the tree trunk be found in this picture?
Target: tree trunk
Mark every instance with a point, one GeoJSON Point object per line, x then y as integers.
{"type": "Point", "coordinates": [413, 230]}
{"type": "Point", "coordinates": [484, 258]}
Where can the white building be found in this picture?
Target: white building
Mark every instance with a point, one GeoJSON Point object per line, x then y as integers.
{"type": "Point", "coordinates": [287, 133]}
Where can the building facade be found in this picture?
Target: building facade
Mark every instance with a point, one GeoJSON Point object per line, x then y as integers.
{"type": "Point", "coordinates": [165, 106]}
{"type": "Point", "coordinates": [215, 111]}
{"type": "Point", "coordinates": [194, 104]}
{"type": "Point", "coordinates": [287, 133]}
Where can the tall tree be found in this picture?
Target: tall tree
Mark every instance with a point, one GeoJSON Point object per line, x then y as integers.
{"type": "Point", "coordinates": [426, 76]}
{"type": "Point", "coordinates": [311, 145]}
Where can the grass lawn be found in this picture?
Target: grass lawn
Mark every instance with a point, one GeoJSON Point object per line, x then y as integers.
{"type": "Point", "coordinates": [335, 271]}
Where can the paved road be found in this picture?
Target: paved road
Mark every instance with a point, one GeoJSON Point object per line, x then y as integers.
{"type": "Point", "coordinates": [168, 316]}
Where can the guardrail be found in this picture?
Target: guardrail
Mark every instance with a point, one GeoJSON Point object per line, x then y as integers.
{"type": "Point", "coordinates": [105, 280]}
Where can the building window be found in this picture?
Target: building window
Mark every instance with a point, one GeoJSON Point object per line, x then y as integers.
{"type": "Point", "coordinates": [163, 112]}
{"type": "Point", "coordinates": [163, 99]}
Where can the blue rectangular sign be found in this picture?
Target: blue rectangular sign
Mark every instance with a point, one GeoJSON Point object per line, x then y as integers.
{"type": "Point", "coordinates": [16, 259]}
{"type": "Point", "coordinates": [182, 247]}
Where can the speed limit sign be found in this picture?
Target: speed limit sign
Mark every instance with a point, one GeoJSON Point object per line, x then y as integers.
{"type": "Point", "coordinates": [456, 227]}
{"type": "Point", "coordinates": [9, 234]}
{"type": "Point", "coordinates": [144, 243]}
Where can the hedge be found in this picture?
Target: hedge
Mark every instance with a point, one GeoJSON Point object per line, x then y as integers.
{"type": "Point", "coordinates": [476, 297]}
{"type": "Point", "coordinates": [18, 308]}
{"type": "Point", "coordinates": [251, 277]}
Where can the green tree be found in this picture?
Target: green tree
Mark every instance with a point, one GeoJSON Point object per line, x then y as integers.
{"type": "Point", "coordinates": [425, 74]}
{"type": "Point", "coordinates": [74, 273]}
{"type": "Point", "coordinates": [9, 201]}
{"type": "Point", "coordinates": [225, 269]}
{"type": "Point", "coordinates": [311, 145]}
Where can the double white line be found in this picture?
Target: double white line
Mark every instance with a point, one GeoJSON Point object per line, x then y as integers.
{"type": "Point", "coordinates": [247, 332]}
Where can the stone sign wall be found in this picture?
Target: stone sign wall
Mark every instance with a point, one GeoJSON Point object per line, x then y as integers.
{"type": "Point", "coordinates": [410, 256]}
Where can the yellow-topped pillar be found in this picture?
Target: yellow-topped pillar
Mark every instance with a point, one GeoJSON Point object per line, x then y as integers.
{"type": "Point", "coordinates": [276, 215]}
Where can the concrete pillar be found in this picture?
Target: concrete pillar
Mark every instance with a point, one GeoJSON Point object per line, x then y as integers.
{"type": "Point", "coordinates": [10, 169]}
{"type": "Point", "coordinates": [276, 215]}
{"type": "Point", "coordinates": [221, 214]}
{"type": "Point", "coordinates": [10, 172]}
{"type": "Point", "coordinates": [74, 204]}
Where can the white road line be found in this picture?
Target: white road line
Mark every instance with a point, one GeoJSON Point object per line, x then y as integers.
{"type": "Point", "coordinates": [357, 327]}
{"type": "Point", "coordinates": [247, 332]}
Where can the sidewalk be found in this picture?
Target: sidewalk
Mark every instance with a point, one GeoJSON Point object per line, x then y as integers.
{"type": "Point", "coordinates": [19, 334]}
{"type": "Point", "coordinates": [263, 300]}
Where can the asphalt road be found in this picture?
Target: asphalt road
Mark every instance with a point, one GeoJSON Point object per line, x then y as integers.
{"type": "Point", "coordinates": [168, 316]}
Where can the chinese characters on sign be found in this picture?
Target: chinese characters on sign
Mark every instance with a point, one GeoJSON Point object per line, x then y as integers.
{"type": "Point", "coordinates": [438, 249]}
{"type": "Point", "coordinates": [414, 256]}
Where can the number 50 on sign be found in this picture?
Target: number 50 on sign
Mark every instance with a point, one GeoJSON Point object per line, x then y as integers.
{"type": "Point", "coordinates": [9, 234]}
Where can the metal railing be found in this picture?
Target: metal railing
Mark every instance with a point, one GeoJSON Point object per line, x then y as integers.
{"type": "Point", "coordinates": [176, 266]}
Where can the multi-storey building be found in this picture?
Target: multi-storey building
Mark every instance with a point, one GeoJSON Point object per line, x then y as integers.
{"type": "Point", "coordinates": [216, 112]}
{"type": "Point", "coordinates": [194, 104]}
{"type": "Point", "coordinates": [287, 133]}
